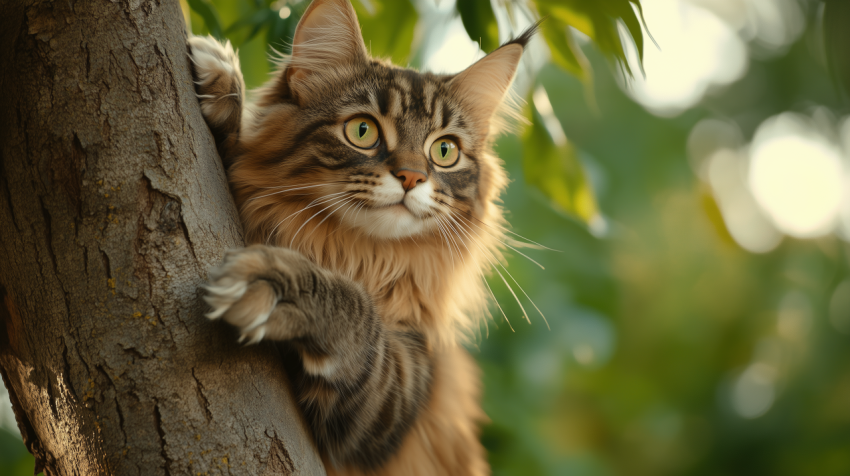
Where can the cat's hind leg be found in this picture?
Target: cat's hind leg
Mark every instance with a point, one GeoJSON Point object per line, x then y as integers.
{"type": "Point", "coordinates": [220, 89]}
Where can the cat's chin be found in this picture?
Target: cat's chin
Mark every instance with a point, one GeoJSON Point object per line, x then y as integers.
{"type": "Point", "coordinates": [391, 222]}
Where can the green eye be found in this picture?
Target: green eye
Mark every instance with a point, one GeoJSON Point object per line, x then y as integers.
{"type": "Point", "coordinates": [362, 132]}
{"type": "Point", "coordinates": [444, 152]}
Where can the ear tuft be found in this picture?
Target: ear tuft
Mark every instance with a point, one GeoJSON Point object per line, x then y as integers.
{"type": "Point", "coordinates": [525, 37]}
{"type": "Point", "coordinates": [484, 85]}
{"type": "Point", "coordinates": [327, 37]}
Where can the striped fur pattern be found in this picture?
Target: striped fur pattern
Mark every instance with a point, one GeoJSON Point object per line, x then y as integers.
{"type": "Point", "coordinates": [371, 285]}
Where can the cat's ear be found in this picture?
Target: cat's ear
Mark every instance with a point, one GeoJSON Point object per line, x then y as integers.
{"type": "Point", "coordinates": [483, 86]}
{"type": "Point", "coordinates": [327, 38]}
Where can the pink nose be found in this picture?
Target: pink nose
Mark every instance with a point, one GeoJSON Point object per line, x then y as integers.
{"type": "Point", "coordinates": [410, 178]}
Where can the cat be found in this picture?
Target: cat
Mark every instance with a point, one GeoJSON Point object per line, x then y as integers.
{"type": "Point", "coordinates": [368, 194]}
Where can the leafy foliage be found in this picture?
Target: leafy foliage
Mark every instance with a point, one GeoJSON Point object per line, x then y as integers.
{"type": "Point", "coordinates": [210, 16]}
{"type": "Point", "coordinates": [555, 170]}
{"type": "Point", "coordinates": [480, 22]}
{"type": "Point", "coordinates": [388, 28]}
{"type": "Point", "coordinates": [599, 20]}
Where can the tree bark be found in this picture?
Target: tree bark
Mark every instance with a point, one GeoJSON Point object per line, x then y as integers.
{"type": "Point", "coordinates": [113, 206]}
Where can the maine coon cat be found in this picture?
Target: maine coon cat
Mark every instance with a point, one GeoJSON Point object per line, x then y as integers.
{"type": "Point", "coordinates": [368, 192]}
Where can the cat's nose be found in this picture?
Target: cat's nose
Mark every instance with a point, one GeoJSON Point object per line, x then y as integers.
{"type": "Point", "coordinates": [409, 178]}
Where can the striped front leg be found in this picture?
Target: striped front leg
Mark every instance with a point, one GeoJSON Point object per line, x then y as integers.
{"type": "Point", "coordinates": [361, 385]}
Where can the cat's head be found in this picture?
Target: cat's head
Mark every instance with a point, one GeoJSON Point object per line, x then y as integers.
{"type": "Point", "coordinates": [343, 140]}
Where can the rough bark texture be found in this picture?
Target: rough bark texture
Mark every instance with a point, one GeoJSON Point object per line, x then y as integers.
{"type": "Point", "coordinates": [113, 206]}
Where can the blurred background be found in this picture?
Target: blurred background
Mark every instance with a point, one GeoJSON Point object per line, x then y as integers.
{"type": "Point", "coordinates": [690, 161]}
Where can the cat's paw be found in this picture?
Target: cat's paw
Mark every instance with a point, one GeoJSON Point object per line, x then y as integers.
{"type": "Point", "coordinates": [255, 284]}
{"type": "Point", "coordinates": [220, 86]}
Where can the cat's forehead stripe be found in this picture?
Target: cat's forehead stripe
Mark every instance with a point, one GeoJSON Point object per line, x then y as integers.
{"type": "Point", "coordinates": [432, 109]}
{"type": "Point", "coordinates": [437, 111]}
{"type": "Point", "coordinates": [446, 114]}
{"type": "Point", "coordinates": [401, 81]}
{"type": "Point", "coordinates": [422, 97]}
{"type": "Point", "coordinates": [399, 102]}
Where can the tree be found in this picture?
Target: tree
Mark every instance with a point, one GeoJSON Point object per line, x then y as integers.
{"type": "Point", "coordinates": [113, 204]}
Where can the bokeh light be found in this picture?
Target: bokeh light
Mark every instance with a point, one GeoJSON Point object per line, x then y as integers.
{"type": "Point", "coordinates": [754, 391]}
{"type": "Point", "coordinates": [704, 45]}
{"type": "Point", "coordinates": [454, 52]}
{"type": "Point", "coordinates": [794, 317]}
{"type": "Point", "coordinates": [770, 26]}
{"type": "Point", "coordinates": [792, 179]}
{"type": "Point", "coordinates": [797, 176]}
{"type": "Point", "coordinates": [742, 215]}
{"type": "Point", "coordinates": [696, 51]}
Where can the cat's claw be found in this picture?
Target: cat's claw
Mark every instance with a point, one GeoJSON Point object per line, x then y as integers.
{"type": "Point", "coordinates": [221, 297]}
{"type": "Point", "coordinates": [239, 298]}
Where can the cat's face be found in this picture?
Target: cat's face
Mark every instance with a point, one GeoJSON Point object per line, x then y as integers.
{"type": "Point", "coordinates": [389, 151]}
{"type": "Point", "coordinates": [393, 152]}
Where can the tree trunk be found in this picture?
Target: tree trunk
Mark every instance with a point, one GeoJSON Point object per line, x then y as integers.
{"type": "Point", "coordinates": [113, 206]}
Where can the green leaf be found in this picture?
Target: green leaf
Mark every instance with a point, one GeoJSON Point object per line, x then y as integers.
{"type": "Point", "coordinates": [624, 10]}
{"type": "Point", "coordinates": [836, 39]}
{"type": "Point", "coordinates": [556, 171]}
{"type": "Point", "coordinates": [565, 52]}
{"type": "Point", "coordinates": [480, 22]}
{"type": "Point", "coordinates": [599, 19]}
{"type": "Point", "coordinates": [634, 25]}
{"type": "Point", "coordinates": [567, 16]}
{"type": "Point", "coordinates": [210, 16]}
{"type": "Point", "coordinates": [388, 29]}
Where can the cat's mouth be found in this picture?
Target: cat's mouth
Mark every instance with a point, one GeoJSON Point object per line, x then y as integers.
{"type": "Point", "coordinates": [398, 206]}
{"type": "Point", "coordinates": [389, 211]}
{"type": "Point", "coordinates": [407, 205]}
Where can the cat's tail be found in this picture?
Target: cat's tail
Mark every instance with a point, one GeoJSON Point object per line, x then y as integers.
{"type": "Point", "coordinates": [220, 89]}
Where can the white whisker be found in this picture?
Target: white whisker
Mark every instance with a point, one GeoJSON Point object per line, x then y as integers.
{"type": "Point", "coordinates": [292, 241]}
{"type": "Point", "coordinates": [530, 244]}
{"type": "Point", "coordinates": [509, 286]}
{"type": "Point", "coordinates": [497, 238]}
{"type": "Point", "coordinates": [443, 232]}
{"type": "Point", "coordinates": [329, 214]}
{"type": "Point", "coordinates": [319, 201]}
{"type": "Point", "coordinates": [451, 227]}
{"type": "Point", "coordinates": [349, 209]}
{"type": "Point", "coordinates": [286, 190]}
{"type": "Point", "coordinates": [497, 304]}
{"type": "Point", "coordinates": [484, 279]}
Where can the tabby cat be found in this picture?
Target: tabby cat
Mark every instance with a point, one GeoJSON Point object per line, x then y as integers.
{"type": "Point", "coordinates": [368, 192]}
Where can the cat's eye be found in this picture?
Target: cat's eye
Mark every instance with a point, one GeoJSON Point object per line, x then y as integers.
{"type": "Point", "coordinates": [362, 132]}
{"type": "Point", "coordinates": [444, 152]}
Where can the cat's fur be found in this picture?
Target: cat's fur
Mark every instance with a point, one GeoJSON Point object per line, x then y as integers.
{"type": "Point", "coordinates": [373, 286]}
